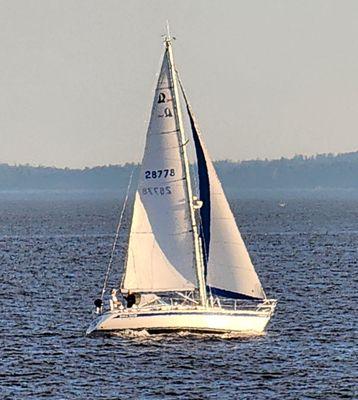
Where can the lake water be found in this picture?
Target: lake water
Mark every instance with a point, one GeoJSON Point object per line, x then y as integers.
{"type": "Point", "coordinates": [54, 254]}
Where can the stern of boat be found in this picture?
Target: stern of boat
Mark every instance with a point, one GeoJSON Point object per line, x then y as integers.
{"type": "Point", "coordinates": [98, 323]}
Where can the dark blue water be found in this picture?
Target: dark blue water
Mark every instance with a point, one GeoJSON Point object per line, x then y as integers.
{"type": "Point", "coordinates": [54, 254]}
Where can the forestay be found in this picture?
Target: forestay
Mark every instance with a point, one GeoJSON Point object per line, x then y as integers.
{"type": "Point", "coordinates": [229, 271]}
{"type": "Point", "coordinates": [161, 249]}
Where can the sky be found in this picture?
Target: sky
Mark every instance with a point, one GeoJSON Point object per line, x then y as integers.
{"type": "Point", "coordinates": [266, 79]}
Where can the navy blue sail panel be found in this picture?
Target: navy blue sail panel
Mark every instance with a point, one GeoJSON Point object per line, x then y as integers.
{"type": "Point", "coordinates": [204, 187]}
{"type": "Point", "coordinates": [230, 295]}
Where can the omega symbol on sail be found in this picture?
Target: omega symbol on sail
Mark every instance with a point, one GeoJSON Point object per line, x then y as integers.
{"type": "Point", "coordinates": [161, 98]}
{"type": "Point", "coordinates": [167, 112]}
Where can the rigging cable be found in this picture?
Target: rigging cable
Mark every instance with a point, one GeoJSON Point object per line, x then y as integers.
{"type": "Point", "coordinates": [117, 234]}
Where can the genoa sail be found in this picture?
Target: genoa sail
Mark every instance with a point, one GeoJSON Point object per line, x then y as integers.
{"type": "Point", "coordinates": [229, 271]}
{"type": "Point", "coordinates": [161, 248]}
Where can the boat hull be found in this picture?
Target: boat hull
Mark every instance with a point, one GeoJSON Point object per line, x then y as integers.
{"type": "Point", "coordinates": [194, 320]}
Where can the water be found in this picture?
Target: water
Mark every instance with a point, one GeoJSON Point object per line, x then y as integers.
{"type": "Point", "coordinates": [54, 254]}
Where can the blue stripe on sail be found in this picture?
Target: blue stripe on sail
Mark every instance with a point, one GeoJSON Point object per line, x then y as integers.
{"type": "Point", "coordinates": [231, 295]}
{"type": "Point", "coordinates": [204, 187]}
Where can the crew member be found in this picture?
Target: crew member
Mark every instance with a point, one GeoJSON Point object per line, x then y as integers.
{"type": "Point", "coordinates": [131, 299]}
{"type": "Point", "coordinates": [114, 302]}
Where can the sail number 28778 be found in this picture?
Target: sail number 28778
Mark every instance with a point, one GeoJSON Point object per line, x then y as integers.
{"type": "Point", "coordinates": [159, 173]}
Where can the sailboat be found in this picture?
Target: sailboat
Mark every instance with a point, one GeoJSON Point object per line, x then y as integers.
{"type": "Point", "coordinates": [186, 265]}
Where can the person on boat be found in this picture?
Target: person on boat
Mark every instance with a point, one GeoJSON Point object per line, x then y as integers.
{"type": "Point", "coordinates": [114, 302]}
{"type": "Point", "coordinates": [99, 306]}
{"type": "Point", "coordinates": [131, 299]}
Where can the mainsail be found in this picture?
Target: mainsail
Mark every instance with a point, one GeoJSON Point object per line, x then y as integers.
{"type": "Point", "coordinates": [229, 271]}
{"type": "Point", "coordinates": [161, 248]}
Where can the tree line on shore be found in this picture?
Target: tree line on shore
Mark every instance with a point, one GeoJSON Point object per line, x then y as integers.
{"type": "Point", "coordinates": [326, 171]}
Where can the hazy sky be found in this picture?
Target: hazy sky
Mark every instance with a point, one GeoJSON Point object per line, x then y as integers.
{"type": "Point", "coordinates": [265, 78]}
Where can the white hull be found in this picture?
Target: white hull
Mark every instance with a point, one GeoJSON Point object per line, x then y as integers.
{"type": "Point", "coordinates": [195, 319]}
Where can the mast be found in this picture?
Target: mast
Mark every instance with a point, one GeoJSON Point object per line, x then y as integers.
{"type": "Point", "coordinates": [198, 259]}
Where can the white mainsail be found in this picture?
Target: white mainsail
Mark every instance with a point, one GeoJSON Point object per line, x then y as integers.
{"type": "Point", "coordinates": [161, 248]}
{"type": "Point", "coordinates": [229, 270]}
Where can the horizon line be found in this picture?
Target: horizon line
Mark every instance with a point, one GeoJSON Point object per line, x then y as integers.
{"type": "Point", "coordinates": [304, 156]}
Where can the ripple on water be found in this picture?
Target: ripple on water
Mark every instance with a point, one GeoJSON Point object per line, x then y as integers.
{"type": "Point", "coordinates": [54, 255]}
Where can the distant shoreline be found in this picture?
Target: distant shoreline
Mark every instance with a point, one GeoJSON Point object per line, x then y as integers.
{"type": "Point", "coordinates": [300, 175]}
{"type": "Point", "coordinates": [284, 195]}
